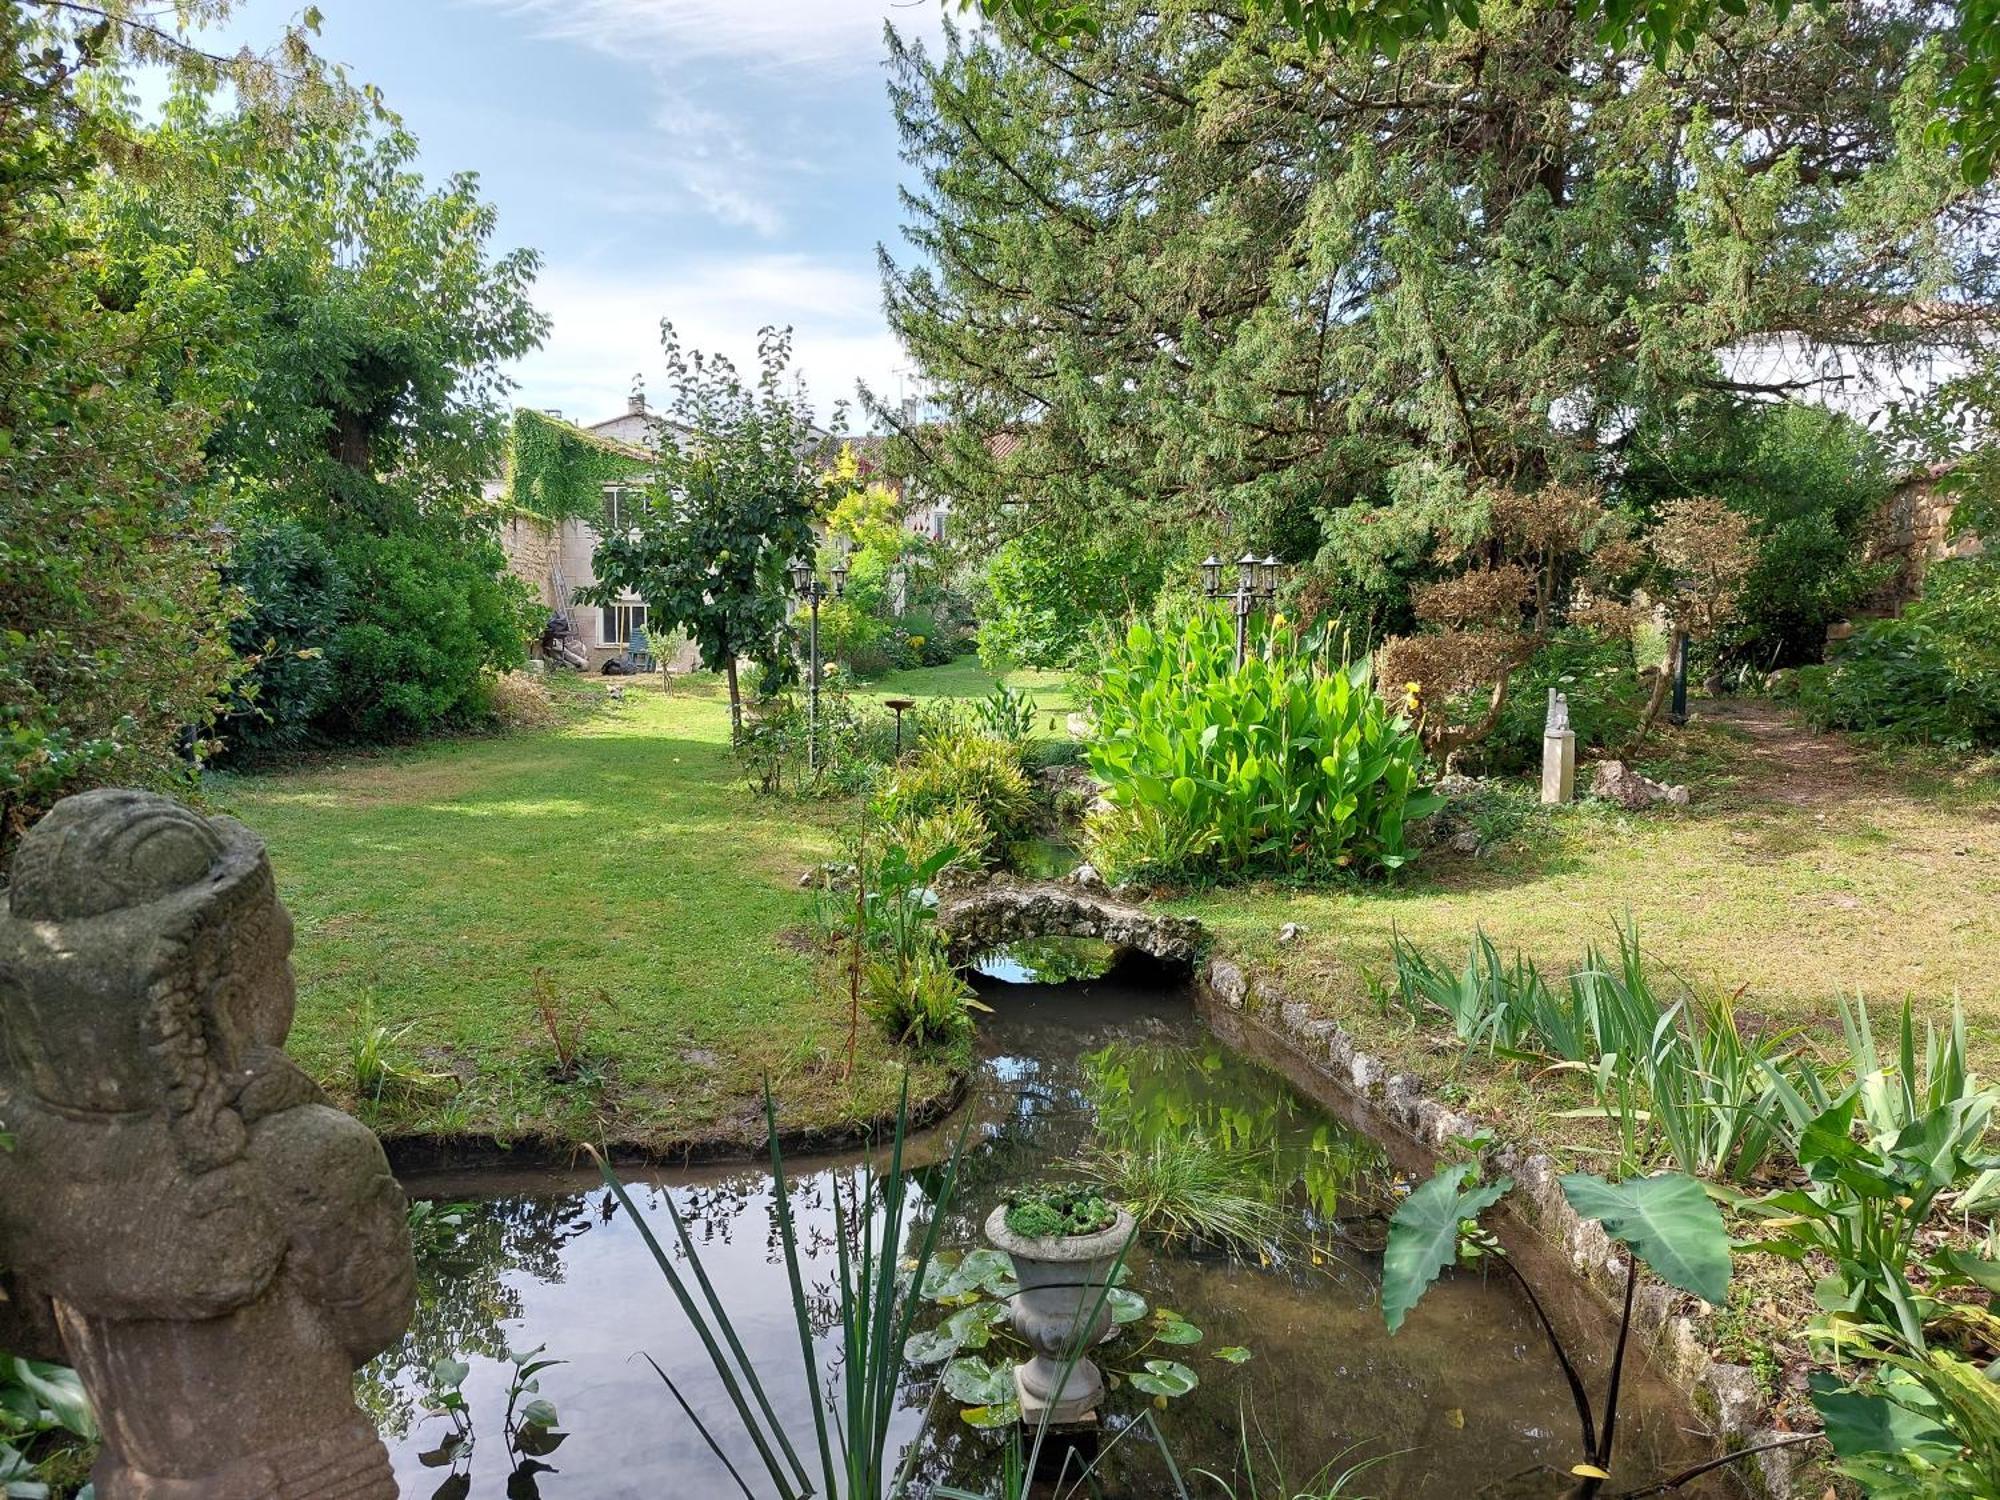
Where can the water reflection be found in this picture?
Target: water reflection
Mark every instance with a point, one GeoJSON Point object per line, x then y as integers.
{"type": "Point", "coordinates": [1463, 1397]}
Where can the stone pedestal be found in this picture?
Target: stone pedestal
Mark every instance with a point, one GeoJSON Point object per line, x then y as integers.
{"type": "Point", "coordinates": [1559, 766]}
{"type": "Point", "coordinates": [1062, 1281]}
{"type": "Point", "coordinates": [183, 1217]}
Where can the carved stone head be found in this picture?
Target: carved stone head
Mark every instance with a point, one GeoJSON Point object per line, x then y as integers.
{"type": "Point", "coordinates": [143, 963]}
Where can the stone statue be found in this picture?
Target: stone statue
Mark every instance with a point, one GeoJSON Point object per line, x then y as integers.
{"type": "Point", "coordinates": [183, 1216]}
{"type": "Point", "coordinates": [1558, 722]}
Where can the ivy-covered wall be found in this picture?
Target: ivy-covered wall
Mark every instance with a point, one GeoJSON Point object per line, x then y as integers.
{"type": "Point", "coordinates": [557, 471]}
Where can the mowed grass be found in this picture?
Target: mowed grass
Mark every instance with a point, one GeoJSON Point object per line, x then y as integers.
{"type": "Point", "coordinates": [1807, 869]}
{"type": "Point", "coordinates": [966, 678]}
{"type": "Point", "coordinates": [624, 859]}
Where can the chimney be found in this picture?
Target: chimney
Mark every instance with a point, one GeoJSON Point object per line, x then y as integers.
{"type": "Point", "coordinates": [635, 404]}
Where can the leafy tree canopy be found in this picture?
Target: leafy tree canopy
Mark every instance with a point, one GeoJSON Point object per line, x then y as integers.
{"type": "Point", "coordinates": [1190, 272]}
{"type": "Point", "coordinates": [1967, 95]}
{"type": "Point", "coordinates": [727, 510]}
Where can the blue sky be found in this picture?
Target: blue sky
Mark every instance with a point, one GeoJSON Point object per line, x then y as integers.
{"type": "Point", "coordinates": [724, 163]}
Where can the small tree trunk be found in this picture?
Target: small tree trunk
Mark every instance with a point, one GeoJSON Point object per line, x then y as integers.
{"type": "Point", "coordinates": [1676, 644]}
{"type": "Point", "coordinates": [735, 699]}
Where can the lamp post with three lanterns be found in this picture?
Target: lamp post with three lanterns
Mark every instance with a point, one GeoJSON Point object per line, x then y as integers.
{"type": "Point", "coordinates": [1256, 587]}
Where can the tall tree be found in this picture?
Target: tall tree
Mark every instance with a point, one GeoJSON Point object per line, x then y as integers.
{"type": "Point", "coordinates": [726, 511]}
{"type": "Point", "coordinates": [112, 646]}
{"type": "Point", "coordinates": [350, 323]}
{"type": "Point", "coordinates": [1193, 269]}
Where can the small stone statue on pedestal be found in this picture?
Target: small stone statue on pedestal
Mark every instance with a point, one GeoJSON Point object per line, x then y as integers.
{"type": "Point", "coordinates": [183, 1217]}
{"type": "Point", "coordinates": [1558, 752]}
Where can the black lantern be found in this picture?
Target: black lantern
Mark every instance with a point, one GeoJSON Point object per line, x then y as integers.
{"type": "Point", "coordinates": [1246, 572]}
{"type": "Point", "coordinates": [840, 575]}
{"type": "Point", "coordinates": [1270, 568]}
{"type": "Point", "coordinates": [802, 575]}
{"type": "Point", "coordinates": [1211, 575]}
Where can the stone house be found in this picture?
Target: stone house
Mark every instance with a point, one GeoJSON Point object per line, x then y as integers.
{"type": "Point", "coordinates": [1910, 531]}
{"type": "Point", "coordinates": [557, 559]}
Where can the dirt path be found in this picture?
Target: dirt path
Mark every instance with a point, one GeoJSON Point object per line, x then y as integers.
{"type": "Point", "coordinates": [1785, 761]}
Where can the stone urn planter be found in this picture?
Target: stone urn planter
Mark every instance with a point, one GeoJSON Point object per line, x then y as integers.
{"type": "Point", "coordinates": [1063, 1279]}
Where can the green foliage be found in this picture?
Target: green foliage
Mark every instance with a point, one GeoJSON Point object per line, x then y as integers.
{"type": "Point", "coordinates": [1290, 763]}
{"type": "Point", "coordinates": [1932, 674]}
{"type": "Point", "coordinates": [1667, 1221]}
{"type": "Point", "coordinates": [1924, 1427]}
{"type": "Point", "coordinates": [1809, 479]}
{"type": "Point", "coordinates": [1964, 103]}
{"type": "Point", "coordinates": [921, 1000]}
{"type": "Point", "coordinates": [1424, 1235]}
{"type": "Point", "coordinates": [1058, 1209]}
{"type": "Point", "coordinates": [1866, 1201]}
{"type": "Point", "coordinates": [42, 1406]}
{"type": "Point", "coordinates": [983, 776]}
{"type": "Point", "coordinates": [557, 471]}
{"type": "Point", "coordinates": [1186, 1188]}
{"type": "Point", "coordinates": [1606, 699]}
{"type": "Point", "coordinates": [112, 618]}
{"type": "Point", "coordinates": [1040, 596]}
{"type": "Point", "coordinates": [879, 1219]}
{"type": "Point", "coordinates": [728, 511]}
{"type": "Point", "coordinates": [1007, 715]}
{"type": "Point", "coordinates": [1676, 1074]}
{"type": "Point", "coordinates": [429, 618]}
{"type": "Point", "coordinates": [1199, 281]}
{"type": "Point", "coordinates": [295, 597]}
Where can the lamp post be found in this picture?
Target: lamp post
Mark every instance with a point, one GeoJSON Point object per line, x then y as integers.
{"type": "Point", "coordinates": [1256, 587]}
{"type": "Point", "coordinates": [806, 583]}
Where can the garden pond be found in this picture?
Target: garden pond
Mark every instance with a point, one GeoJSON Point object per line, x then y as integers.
{"type": "Point", "coordinates": [1465, 1401]}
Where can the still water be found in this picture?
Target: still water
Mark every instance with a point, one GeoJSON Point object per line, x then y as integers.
{"type": "Point", "coordinates": [1465, 1401]}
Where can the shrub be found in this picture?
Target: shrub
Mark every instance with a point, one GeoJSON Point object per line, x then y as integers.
{"type": "Point", "coordinates": [431, 616]}
{"type": "Point", "coordinates": [1292, 762]}
{"type": "Point", "coordinates": [1932, 674]}
{"type": "Point", "coordinates": [296, 594]}
{"type": "Point", "coordinates": [1059, 1209]}
{"type": "Point", "coordinates": [982, 775]}
{"type": "Point", "coordinates": [921, 1002]}
{"type": "Point", "coordinates": [1605, 697]}
{"type": "Point", "coordinates": [1041, 597]}
{"type": "Point", "coordinates": [958, 829]}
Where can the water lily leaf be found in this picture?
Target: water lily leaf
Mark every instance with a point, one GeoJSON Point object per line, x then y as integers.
{"type": "Point", "coordinates": [1126, 1306]}
{"type": "Point", "coordinates": [1177, 1332]}
{"type": "Point", "coordinates": [1667, 1221]}
{"type": "Point", "coordinates": [1165, 1377]}
{"type": "Point", "coordinates": [977, 1383]}
{"type": "Point", "coordinates": [1234, 1354]}
{"type": "Point", "coordinates": [968, 1328]}
{"type": "Point", "coordinates": [983, 1270]}
{"type": "Point", "coordinates": [1002, 1414]}
{"type": "Point", "coordinates": [1423, 1236]}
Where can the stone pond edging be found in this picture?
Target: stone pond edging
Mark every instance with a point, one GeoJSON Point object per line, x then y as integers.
{"type": "Point", "coordinates": [1252, 1013]}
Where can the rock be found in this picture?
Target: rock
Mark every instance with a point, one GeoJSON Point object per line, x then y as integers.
{"type": "Point", "coordinates": [183, 1212]}
{"type": "Point", "coordinates": [1228, 983]}
{"type": "Point", "coordinates": [1289, 934]}
{"type": "Point", "coordinates": [1085, 878]}
{"type": "Point", "coordinates": [992, 916]}
{"type": "Point", "coordinates": [1614, 781]}
{"type": "Point", "coordinates": [1465, 841]}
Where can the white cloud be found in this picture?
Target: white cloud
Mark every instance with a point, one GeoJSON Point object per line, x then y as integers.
{"type": "Point", "coordinates": [776, 34]}
{"type": "Point", "coordinates": [606, 329]}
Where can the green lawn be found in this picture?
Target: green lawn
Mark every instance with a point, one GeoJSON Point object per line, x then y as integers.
{"type": "Point", "coordinates": [622, 858]}
{"type": "Point", "coordinates": [966, 678]}
{"type": "Point", "coordinates": [1807, 868]}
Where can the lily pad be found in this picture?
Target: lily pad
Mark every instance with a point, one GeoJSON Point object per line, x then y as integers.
{"type": "Point", "coordinates": [1175, 1331]}
{"type": "Point", "coordinates": [1001, 1414]}
{"type": "Point", "coordinates": [1234, 1354]}
{"type": "Point", "coordinates": [977, 1383]}
{"type": "Point", "coordinates": [1165, 1377]}
{"type": "Point", "coordinates": [1126, 1306]}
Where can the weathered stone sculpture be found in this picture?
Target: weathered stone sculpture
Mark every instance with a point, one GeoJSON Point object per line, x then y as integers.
{"type": "Point", "coordinates": [183, 1216]}
{"type": "Point", "coordinates": [1558, 752]}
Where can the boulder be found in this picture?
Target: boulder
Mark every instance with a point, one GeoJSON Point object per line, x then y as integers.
{"type": "Point", "coordinates": [1614, 781]}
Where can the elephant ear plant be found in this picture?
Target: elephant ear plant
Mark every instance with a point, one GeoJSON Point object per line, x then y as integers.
{"type": "Point", "coordinates": [1666, 1222]}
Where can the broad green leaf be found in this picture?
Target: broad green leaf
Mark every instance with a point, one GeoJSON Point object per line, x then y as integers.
{"type": "Point", "coordinates": [1001, 1414]}
{"type": "Point", "coordinates": [977, 1383]}
{"type": "Point", "coordinates": [1126, 1306]}
{"type": "Point", "coordinates": [1176, 1332]}
{"type": "Point", "coordinates": [1860, 1423]}
{"type": "Point", "coordinates": [1234, 1354]}
{"type": "Point", "coordinates": [1165, 1377]}
{"type": "Point", "coordinates": [1423, 1236]}
{"type": "Point", "coordinates": [1668, 1221]}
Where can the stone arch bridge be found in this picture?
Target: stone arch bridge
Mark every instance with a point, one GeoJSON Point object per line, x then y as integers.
{"type": "Point", "coordinates": [991, 916]}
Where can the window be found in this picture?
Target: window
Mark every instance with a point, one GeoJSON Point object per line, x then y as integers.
{"type": "Point", "coordinates": [622, 505]}
{"type": "Point", "coordinates": [620, 620]}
